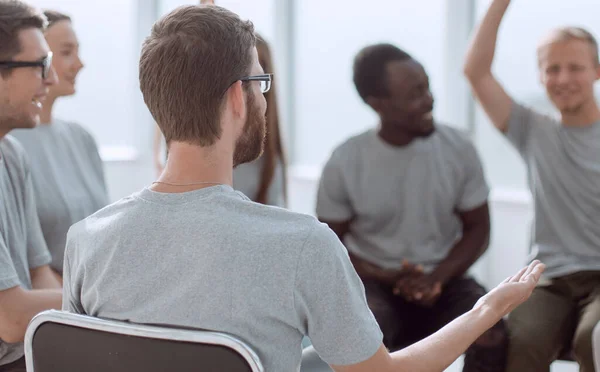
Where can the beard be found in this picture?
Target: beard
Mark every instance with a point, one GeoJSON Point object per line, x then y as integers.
{"type": "Point", "coordinates": [251, 143]}
{"type": "Point", "coordinates": [11, 118]}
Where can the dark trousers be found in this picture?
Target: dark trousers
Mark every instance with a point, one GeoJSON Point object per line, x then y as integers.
{"type": "Point", "coordinates": [16, 366]}
{"type": "Point", "coordinates": [560, 315]}
{"type": "Point", "coordinates": [404, 323]}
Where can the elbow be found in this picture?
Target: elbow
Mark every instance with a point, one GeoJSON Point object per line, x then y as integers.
{"type": "Point", "coordinates": [13, 338]}
{"type": "Point", "coordinates": [484, 237]}
{"type": "Point", "coordinates": [468, 71]}
{"type": "Point", "coordinates": [475, 73]}
{"type": "Point", "coordinates": [486, 242]}
{"type": "Point", "coordinates": [11, 330]}
{"type": "Point", "coordinates": [471, 73]}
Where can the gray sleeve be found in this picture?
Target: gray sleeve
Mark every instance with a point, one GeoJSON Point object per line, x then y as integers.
{"type": "Point", "coordinates": [330, 302]}
{"type": "Point", "coordinates": [475, 190]}
{"type": "Point", "coordinates": [97, 162]}
{"type": "Point", "coordinates": [37, 250]}
{"type": "Point", "coordinates": [8, 274]}
{"type": "Point", "coordinates": [333, 200]}
{"type": "Point", "coordinates": [71, 301]}
{"type": "Point", "coordinates": [521, 124]}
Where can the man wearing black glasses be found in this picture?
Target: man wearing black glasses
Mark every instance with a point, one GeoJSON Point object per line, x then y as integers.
{"type": "Point", "coordinates": [27, 285]}
{"type": "Point", "coordinates": [190, 251]}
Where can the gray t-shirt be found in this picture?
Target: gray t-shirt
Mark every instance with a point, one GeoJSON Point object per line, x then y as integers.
{"type": "Point", "coordinates": [563, 166]}
{"type": "Point", "coordinates": [212, 259]}
{"type": "Point", "coordinates": [22, 245]}
{"type": "Point", "coordinates": [246, 178]}
{"type": "Point", "coordinates": [402, 200]}
{"type": "Point", "coordinates": [68, 179]}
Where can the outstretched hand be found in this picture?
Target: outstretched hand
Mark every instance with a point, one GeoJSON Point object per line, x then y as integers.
{"type": "Point", "coordinates": [207, 2]}
{"type": "Point", "coordinates": [513, 291]}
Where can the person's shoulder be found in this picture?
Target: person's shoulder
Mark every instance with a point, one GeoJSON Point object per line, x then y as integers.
{"type": "Point", "coordinates": [23, 136]}
{"type": "Point", "coordinates": [453, 134]}
{"type": "Point", "coordinates": [454, 139]}
{"type": "Point", "coordinates": [104, 220]}
{"type": "Point", "coordinates": [279, 216]}
{"type": "Point", "coordinates": [356, 141]}
{"type": "Point", "coordinates": [11, 145]}
{"type": "Point", "coordinates": [14, 153]}
{"type": "Point", "coordinates": [292, 226]}
{"type": "Point", "coordinates": [74, 128]}
{"type": "Point", "coordinates": [542, 112]}
{"type": "Point", "coordinates": [352, 146]}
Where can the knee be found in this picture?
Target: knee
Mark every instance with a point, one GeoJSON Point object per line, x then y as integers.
{"type": "Point", "coordinates": [582, 343]}
{"type": "Point", "coordinates": [495, 337]}
{"type": "Point", "coordinates": [523, 334]}
{"type": "Point", "coordinates": [489, 352]}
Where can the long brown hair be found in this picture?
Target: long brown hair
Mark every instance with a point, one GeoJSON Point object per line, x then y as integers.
{"type": "Point", "coordinates": [273, 145]}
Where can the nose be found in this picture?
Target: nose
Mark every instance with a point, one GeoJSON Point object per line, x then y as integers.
{"type": "Point", "coordinates": [52, 77]}
{"type": "Point", "coordinates": [429, 99]}
{"type": "Point", "coordinates": [563, 76]}
{"type": "Point", "coordinates": [79, 63]}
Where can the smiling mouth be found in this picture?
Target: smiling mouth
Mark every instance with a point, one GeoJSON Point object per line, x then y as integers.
{"type": "Point", "coordinates": [37, 102]}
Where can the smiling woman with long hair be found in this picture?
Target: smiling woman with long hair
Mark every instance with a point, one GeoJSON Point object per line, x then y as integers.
{"type": "Point", "coordinates": [66, 168]}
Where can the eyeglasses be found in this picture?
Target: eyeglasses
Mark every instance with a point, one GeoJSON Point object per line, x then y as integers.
{"type": "Point", "coordinates": [264, 79]}
{"type": "Point", "coordinates": [45, 64]}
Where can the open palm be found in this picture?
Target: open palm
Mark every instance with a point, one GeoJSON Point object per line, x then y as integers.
{"type": "Point", "coordinates": [513, 291]}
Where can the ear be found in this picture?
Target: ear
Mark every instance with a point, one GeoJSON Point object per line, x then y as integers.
{"type": "Point", "coordinates": [542, 74]}
{"type": "Point", "coordinates": [597, 71]}
{"type": "Point", "coordinates": [376, 104]}
{"type": "Point", "coordinates": [541, 77]}
{"type": "Point", "coordinates": [237, 100]}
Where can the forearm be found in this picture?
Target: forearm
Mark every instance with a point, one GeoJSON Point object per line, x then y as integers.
{"type": "Point", "coordinates": [44, 278]}
{"type": "Point", "coordinates": [463, 255]}
{"type": "Point", "coordinates": [17, 312]}
{"type": "Point", "coordinates": [481, 52]}
{"type": "Point", "coordinates": [440, 350]}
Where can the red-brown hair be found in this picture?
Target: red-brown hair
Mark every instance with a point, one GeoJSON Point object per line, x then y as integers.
{"type": "Point", "coordinates": [273, 153]}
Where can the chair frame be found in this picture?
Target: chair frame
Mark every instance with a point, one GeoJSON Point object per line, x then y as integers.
{"type": "Point", "coordinates": [138, 330]}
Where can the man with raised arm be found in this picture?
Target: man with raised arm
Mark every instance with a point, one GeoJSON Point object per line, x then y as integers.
{"type": "Point", "coordinates": [563, 160]}
{"type": "Point", "coordinates": [196, 253]}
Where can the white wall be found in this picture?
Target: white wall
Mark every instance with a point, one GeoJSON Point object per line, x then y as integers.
{"type": "Point", "coordinates": [328, 36]}
{"type": "Point", "coordinates": [107, 100]}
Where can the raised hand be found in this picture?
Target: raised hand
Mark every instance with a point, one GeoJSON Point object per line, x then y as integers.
{"type": "Point", "coordinates": [513, 291]}
{"type": "Point", "coordinates": [207, 2]}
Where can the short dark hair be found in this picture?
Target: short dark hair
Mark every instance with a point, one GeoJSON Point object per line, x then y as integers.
{"type": "Point", "coordinates": [16, 16]}
{"type": "Point", "coordinates": [370, 69]}
{"type": "Point", "coordinates": [54, 16]}
{"type": "Point", "coordinates": [188, 62]}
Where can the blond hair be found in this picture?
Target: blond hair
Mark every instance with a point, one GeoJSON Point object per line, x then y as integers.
{"type": "Point", "coordinates": [567, 34]}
